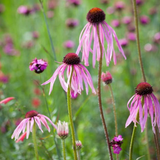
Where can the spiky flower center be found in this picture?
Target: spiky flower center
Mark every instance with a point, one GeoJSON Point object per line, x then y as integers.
{"type": "Point", "coordinates": [95, 16]}
{"type": "Point", "coordinates": [31, 114]}
{"type": "Point", "coordinates": [144, 88]}
{"type": "Point", "coordinates": [71, 59]}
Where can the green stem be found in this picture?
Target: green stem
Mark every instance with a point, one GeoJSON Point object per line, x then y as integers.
{"type": "Point", "coordinates": [131, 142]}
{"type": "Point", "coordinates": [138, 41]}
{"type": "Point", "coordinates": [70, 117]}
{"type": "Point", "coordinates": [146, 137]}
{"type": "Point", "coordinates": [114, 110]}
{"type": "Point", "coordinates": [63, 147]}
{"type": "Point", "coordinates": [50, 38]}
{"type": "Point", "coordinates": [157, 143]}
{"type": "Point", "coordinates": [99, 97]}
{"type": "Point", "coordinates": [78, 155]}
{"type": "Point", "coordinates": [34, 140]}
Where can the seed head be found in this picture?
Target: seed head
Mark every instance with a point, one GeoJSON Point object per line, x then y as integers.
{"type": "Point", "coordinates": [71, 59]}
{"type": "Point", "coordinates": [143, 88]}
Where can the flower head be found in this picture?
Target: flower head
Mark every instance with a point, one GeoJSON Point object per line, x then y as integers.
{"type": "Point", "coordinates": [23, 10]}
{"type": "Point", "coordinates": [96, 19]}
{"type": "Point", "coordinates": [106, 77]}
{"type": "Point", "coordinates": [26, 124]}
{"type": "Point", "coordinates": [144, 103]}
{"type": "Point", "coordinates": [78, 145]}
{"type": "Point", "coordinates": [116, 144]}
{"type": "Point", "coordinates": [62, 130]}
{"type": "Point", "coordinates": [71, 62]}
{"type": "Point", "coordinates": [38, 65]}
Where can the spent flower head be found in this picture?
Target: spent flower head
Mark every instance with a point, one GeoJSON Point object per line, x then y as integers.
{"type": "Point", "coordinates": [38, 65]}
{"type": "Point", "coordinates": [106, 77]}
{"type": "Point", "coordinates": [116, 144]}
{"type": "Point", "coordinates": [26, 124]}
{"type": "Point", "coordinates": [144, 103]}
{"type": "Point", "coordinates": [71, 63]}
{"type": "Point", "coordinates": [96, 21]}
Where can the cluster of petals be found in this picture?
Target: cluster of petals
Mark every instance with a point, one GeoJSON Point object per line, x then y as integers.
{"type": "Point", "coordinates": [62, 129]}
{"type": "Point", "coordinates": [80, 74]}
{"type": "Point", "coordinates": [116, 144]}
{"type": "Point", "coordinates": [151, 106]}
{"type": "Point", "coordinates": [38, 65]}
{"type": "Point", "coordinates": [26, 126]}
{"type": "Point", "coordinates": [89, 34]}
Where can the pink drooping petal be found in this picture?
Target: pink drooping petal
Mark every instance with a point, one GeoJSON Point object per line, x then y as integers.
{"type": "Point", "coordinates": [6, 100]}
{"type": "Point", "coordinates": [44, 122]}
{"type": "Point", "coordinates": [37, 120]}
{"type": "Point", "coordinates": [21, 138]}
{"type": "Point", "coordinates": [50, 122]}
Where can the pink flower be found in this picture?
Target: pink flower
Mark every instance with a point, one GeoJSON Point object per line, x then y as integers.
{"type": "Point", "coordinates": [116, 144]}
{"type": "Point", "coordinates": [72, 62]}
{"type": "Point", "coordinates": [69, 44]}
{"type": "Point", "coordinates": [62, 130]}
{"type": "Point", "coordinates": [149, 106]}
{"type": "Point", "coordinates": [26, 124]}
{"type": "Point", "coordinates": [116, 149]}
{"type": "Point", "coordinates": [96, 18]}
{"type": "Point", "coordinates": [78, 145]}
{"type": "Point", "coordinates": [38, 65]}
{"type": "Point", "coordinates": [23, 10]}
{"type": "Point", "coordinates": [6, 100]}
{"type": "Point", "coordinates": [106, 77]}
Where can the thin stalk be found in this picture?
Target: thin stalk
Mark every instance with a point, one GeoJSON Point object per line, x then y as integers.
{"type": "Point", "coordinates": [35, 141]}
{"type": "Point", "coordinates": [44, 95]}
{"type": "Point", "coordinates": [78, 154]}
{"type": "Point", "coordinates": [146, 137]}
{"type": "Point", "coordinates": [131, 142]}
{"type": "Point", "coordinates": [114, 110]}
{"type": "Point", "coordinates": [138, 41]}
{"type": "Point", "coordinates": [63, 147]}
{"type": "Point", "coordinates": [99, 97]}
{"type": "Point", "coordinates": [70, 116]}
{"type": "Point", "coordinates": [157, 143]}
{"type": "Point", "coordinates": [49, 34]}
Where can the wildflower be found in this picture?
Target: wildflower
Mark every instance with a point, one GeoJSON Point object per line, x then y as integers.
{"type": "Point", "coordinates": [72, 62]}
{"type": "Point", "coordinates": [119, 5]}
{"type": "Point", "coordinates": [106, 77]}
{"type": "Point", "coordinates": [115, 23]}
{"type": "Point", "coordinates": [78, 145]}
{"type": "Point", "coordinates": [74, 2]}
{"type": "Point", "coordinates": [131, 36]}
{"type": "Point", "coordinates": [36, 102]}
{"type": "Point", "coordinates": [139, 2]}
{"type": "Point", "coordinates": [144, 103]}
{"type": "Point", "coordinates": [23, 10]}
{"type": "Point", "coordinates": [26, 124]}
{"type": "Point", "coordinates": [38, 65]}
{"type": "Point", "coordinates": [71, 23]}
{"type": "Point", "coordinates": [156, 37]}
{"type": "Point", "coordinates": [96, 18]}
{"type": "Point", "coordinates": [116, 144]}
{"type": "Point", "coordinates": [127, 20]}
{"type": "Point", "coordinates": [62, 130]}
{"type": "Point", "coordinates": [123, 42]}
{"type": "Point", "coordinates": [144, 20]}
{"type": "Point", "coordinates": [69, 44]}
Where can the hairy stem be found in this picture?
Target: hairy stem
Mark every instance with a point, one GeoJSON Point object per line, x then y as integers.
{"type": "Point", "coordinates": [70, 116]}
{"type": "Point", "coordinates": [35, 141]}
{"type": "Point", "coordinates": [114, 110]}
{"type": "Point", "coordinates": [63, 147]}
{"type": "Point", "coordinates": [99, 97]}
{"type": "Point", "coordinates": [157, 143]}
{"type": "Point", "coordinates": [138, 41]}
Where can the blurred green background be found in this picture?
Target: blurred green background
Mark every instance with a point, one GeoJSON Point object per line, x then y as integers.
{"type": "Point", "coordinates": [16, 80]}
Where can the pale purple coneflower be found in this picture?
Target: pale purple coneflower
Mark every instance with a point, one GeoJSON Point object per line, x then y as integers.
{"type": "Point", "coordinates": [144, 103]}
{"type": "Point", "coordinates": [26, 124]}
{"type": "Point", "coordinates": [62, 129]}
{"type": "Point", "coordinates": [96, 18]}
{"type": "Point", "coordinates": [72, 62]}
